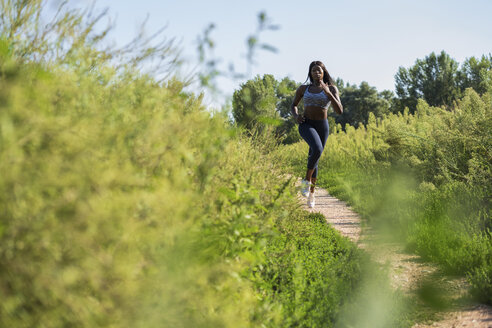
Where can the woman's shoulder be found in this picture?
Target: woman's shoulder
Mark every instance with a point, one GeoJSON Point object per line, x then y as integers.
{"type": "Point", "coordinates": [302, 88]}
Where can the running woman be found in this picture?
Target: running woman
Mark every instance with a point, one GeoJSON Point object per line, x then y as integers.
{"type": "Point", "coordinates": [313, 124]}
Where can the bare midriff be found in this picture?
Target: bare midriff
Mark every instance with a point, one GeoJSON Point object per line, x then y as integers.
{"type": "Point", "coordinates": [315, 113]}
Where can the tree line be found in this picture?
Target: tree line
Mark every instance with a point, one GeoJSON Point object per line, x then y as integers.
{"type": "Point", "coordinates": [438, 79]}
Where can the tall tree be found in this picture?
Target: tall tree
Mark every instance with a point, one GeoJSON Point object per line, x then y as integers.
{"type": "Point", "coordinates": [477, 74]}
{"type": "Point", "coordinates": [265, 101]}
{"type": "Point", "coordinates": [359, 101]}
{"type": "Point", "coordinates": [433, 78]}
{"type": "Point", "coordinates": [254, 104]}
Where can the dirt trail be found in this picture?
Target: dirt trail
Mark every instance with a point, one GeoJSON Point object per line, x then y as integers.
{"type": "Point", "coordinates": [407, 271]}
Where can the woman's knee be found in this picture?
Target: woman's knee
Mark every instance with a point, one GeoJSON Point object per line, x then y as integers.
{"type": "Point", "coordinates": [316, 152]}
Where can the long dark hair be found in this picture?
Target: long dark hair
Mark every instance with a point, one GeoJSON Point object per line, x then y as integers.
{"type": "Point", "coordinates": [326, 76]}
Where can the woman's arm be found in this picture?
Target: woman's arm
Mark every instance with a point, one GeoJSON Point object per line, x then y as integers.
{"type": "Point", "coordinates": [297, 98]}
{"type": "Point", "coordinates": [332, 92]}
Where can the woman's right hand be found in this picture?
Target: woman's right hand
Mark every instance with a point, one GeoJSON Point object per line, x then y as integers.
{"type": "Point", "coordinates": [300, 119]}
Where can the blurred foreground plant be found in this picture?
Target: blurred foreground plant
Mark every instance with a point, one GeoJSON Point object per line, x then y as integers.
{"type": "Point", "coordinates": [63, 34]}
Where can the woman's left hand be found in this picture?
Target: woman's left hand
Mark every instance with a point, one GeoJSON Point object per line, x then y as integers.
{"type": "Point", "coordinates": [328, 88]}
{"type": "Point", "coordinates": [332, 92]}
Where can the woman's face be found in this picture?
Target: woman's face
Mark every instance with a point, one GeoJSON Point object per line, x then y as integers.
{"type": "Point", "coordinates": [317, 73]}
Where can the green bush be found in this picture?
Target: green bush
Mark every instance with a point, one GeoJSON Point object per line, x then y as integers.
{"type": "Point", "coordinates": [309, 271]}
{"type": "Point", "coordinates": [92, 194]}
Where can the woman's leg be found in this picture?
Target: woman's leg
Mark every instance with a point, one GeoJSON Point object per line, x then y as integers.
{"type": "Point", "coordinates": [311, 136]}
{"type": "Point", "coordinates": [309, 172]}
{"type": "Point", "coordinates": [323, 130]}
{"type": "Point", "coordinates": [313, 184]}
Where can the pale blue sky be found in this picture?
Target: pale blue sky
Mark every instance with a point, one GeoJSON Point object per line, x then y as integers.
{"type": "Point", "coordinates": [357, 40]}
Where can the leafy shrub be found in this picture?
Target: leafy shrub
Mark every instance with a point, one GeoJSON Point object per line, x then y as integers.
{"type": "Point", "coordinates": [309, 271]}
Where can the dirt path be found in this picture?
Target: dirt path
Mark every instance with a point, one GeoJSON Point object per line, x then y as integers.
{"type": "Point", "coordinates": [407, 271]}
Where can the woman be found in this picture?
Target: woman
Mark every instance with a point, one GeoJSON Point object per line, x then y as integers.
{"type": "Point", "coordinates": [313, 124]}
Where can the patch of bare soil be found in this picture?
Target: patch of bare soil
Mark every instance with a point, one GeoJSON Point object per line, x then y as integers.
{"type": "Point", "coordinates": [408, 272]}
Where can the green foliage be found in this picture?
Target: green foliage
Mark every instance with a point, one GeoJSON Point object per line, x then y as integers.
{"type": "Point", "coordinates": [359, 102]}
{"type": "Point", "coordinates": [438, 80]}
{"type": "Point", "coordinates": [423, 177]}
{"type": "Point", "coordinates": [69, 38]}
{"type": "Point", "coordinates": [210, 64]}
{"type": "Point", "coordinates": [432, 78]}
{"type": "Point", "coordinates": [92, 207]}
{"type": "Point", "coordinates": [255, 100]}
{"type": "Point", "coordinates": [285, 92]}
{"type": "Point", "coordinates": [253, 41]}
{"type": "Point", "coordinates": [310, 269]}
{"type": "Point", "coordinates": [124, 203]}
{"type": "Point", "coordinates": [263, 102]}
{"type": "Point", "coordinates": [481, 281]}
{"type": "Point", "coordinates": [476, 74]}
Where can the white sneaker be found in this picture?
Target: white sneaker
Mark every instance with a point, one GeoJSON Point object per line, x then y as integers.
{"type": "Point", "coordinates": [305, 185]}
{"type": "Point", "coordinates": [310, 201]}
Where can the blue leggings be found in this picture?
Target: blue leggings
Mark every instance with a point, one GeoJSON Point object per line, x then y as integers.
{"type": "Point", "coordinates": [315, 133]}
